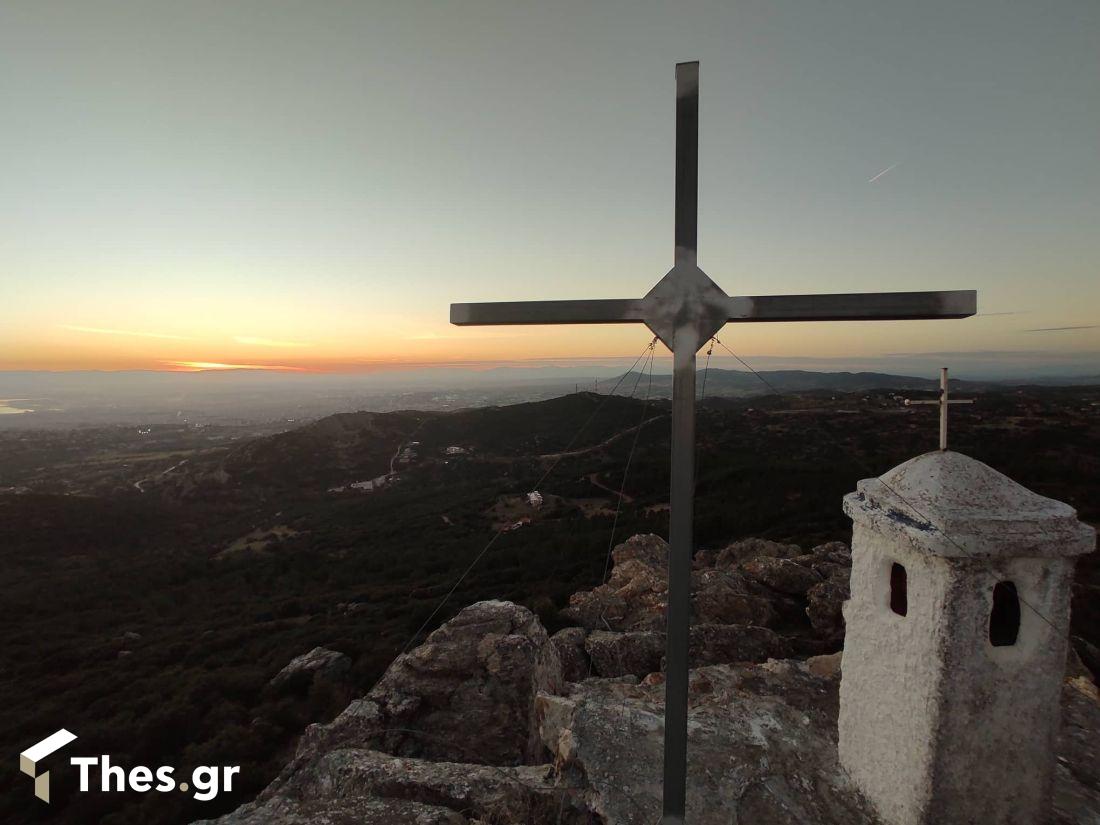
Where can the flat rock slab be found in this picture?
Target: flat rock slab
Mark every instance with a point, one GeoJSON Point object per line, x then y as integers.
{"type": "Point", "coordinates": [762, 748]}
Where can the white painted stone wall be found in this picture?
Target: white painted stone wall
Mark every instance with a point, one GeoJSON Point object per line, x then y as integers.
{"type": "Point", "coordinates": [936, 724]}
{"type": "Point", "coordinates": [891, 676]}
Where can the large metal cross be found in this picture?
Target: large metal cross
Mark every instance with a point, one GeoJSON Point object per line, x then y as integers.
{"type": "Point", "coordinates": [684, 310]}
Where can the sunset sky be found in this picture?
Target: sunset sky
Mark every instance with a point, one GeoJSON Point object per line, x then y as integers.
{"type": "Point", "coordinates": [191, 184]}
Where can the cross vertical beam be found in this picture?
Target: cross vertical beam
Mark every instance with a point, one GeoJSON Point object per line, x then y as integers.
{"type": "Point", "coordinates": [687, 161]}
{"type": "Point", "coordinates": [680, 545]}
{"type": "Point", "coordinates": [685, 343]}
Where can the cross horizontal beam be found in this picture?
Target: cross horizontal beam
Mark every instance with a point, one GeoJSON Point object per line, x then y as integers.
{"type": "Point", "coordinates": [854, 306]}
{"type": "Point", "coordinates": [605, 311]}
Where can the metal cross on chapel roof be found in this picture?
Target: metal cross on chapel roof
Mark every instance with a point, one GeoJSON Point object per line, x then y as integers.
{"type": "Point", "coordinates": [944, 402]}
{"type": "Point", "coordinates": [684, 310]}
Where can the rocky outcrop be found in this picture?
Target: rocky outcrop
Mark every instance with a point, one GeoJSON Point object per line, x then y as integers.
{"type": "Point", "coordinates": [763, 750]}
{"type": "Point", "coordinates": [636, 593]}
{"type": "Point", "coordinates": [492, 721]}
{"type": "Point", "coordinates": [479, 672]}
{"type": "Point", "coordinates": [753, 582]}
{"type": "Point", "coordinates": [320, 664]}
{"type": "Point", "coordinates": [763, 738]}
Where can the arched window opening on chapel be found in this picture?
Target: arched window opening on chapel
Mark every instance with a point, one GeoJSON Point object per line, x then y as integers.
{"type": "Point", "coordinates": [1004, 621]}
{"type": "Point", "coordinates": [899, 590]}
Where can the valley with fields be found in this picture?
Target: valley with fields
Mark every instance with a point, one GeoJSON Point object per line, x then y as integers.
{"type": "Point", "coordinates": [157, 578]}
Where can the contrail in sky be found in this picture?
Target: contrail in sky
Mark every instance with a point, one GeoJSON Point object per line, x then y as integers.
{"type": "Point", "coordinates": [883, 172]}
{"type": "Point", "coordinates": [1062, 329]}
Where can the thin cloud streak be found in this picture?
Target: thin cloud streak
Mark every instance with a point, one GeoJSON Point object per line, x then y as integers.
{"type": "Point", "coordinates": [884, 171]}
{"type": "Point", "coordinates": [127, 332]}
{"type": "Point", "coordinates": [1062, 329]}
{"type": "Point", "coordinates": [985, 353]}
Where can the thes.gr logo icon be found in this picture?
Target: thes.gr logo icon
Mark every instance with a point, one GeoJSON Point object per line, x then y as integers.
{"type": "Point", "coordinates": [29, 759]}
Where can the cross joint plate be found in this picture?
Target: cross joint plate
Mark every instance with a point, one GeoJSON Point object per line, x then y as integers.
{"type": "Point", "coordinates": [685, 299]}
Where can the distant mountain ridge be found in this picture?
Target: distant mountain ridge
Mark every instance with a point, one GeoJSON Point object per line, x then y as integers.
{"type": "Point", "coordinates": [67, 399]}
{"type": "Point", "coordinates": [741, 383]}
{"type": "Point", "coordinates": [745, 384]}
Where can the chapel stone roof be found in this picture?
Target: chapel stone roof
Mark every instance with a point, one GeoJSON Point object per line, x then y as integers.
{"type": "Point", "coordinates": [953, 505]}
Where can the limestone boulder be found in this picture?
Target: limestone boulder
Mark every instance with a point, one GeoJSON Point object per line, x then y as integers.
{"type": "Point", "coordinates": [569, 643]}
{"type": "Point", "coordinates": [782, 575]}
{"type": "Point", "coordinates": [728, 644]}
{"type": "Point", "coordinates": [745, 550]}
{"type": "Point", "coordinates": [635, 596]}
{"type": "Point", "coordinates": [827, 666]}
{"type": "Point", "coordinates": [722, 596]}
{"type": "Point", "coordinates": [834, 552]}
{"type": "Point", "coordinates": [647, 548]}
{"type": "Point", "coordinates": [466, 694]}
{"type": "Point", "coordinates": [642, 653]}
{"type": "Point", "coordinates": [635, 653]}
{"type": "Point", "coordinates": [825, 603]}
{"type": "Point", "coordinates": [320, 664]}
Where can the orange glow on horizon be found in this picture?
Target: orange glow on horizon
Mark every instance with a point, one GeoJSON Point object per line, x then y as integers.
{"type": "Point", "coordinates": [203, 343]}
{"type": "Point", "coordinates": [278, 341]}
